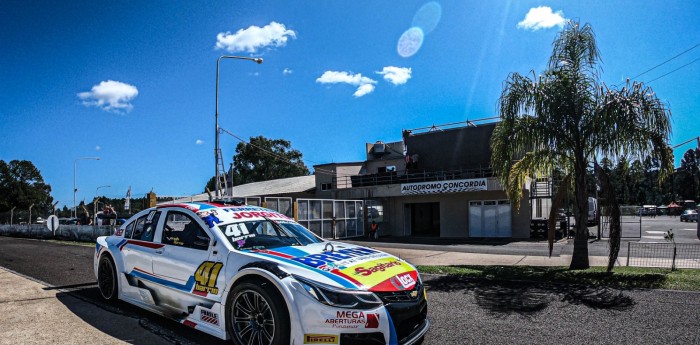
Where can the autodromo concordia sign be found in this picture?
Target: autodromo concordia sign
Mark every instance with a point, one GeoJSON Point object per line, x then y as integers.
{"type": "Point", "coordinates": [452, 186]}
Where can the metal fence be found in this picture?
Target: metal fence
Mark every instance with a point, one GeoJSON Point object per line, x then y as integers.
{"type": "Point", "coordinates": [332, 219]}
{"type": "Point", "coordinates": [408, 176]}
{"type": "Point", "coordinates": [630, 222]}
{"type": "Point", "coordinates": [665, 255]}
{"type": "Point", "coordinates": [83, 233]}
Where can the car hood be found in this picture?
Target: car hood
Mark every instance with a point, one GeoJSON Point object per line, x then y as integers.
{"type": "Point", "coordinates": [345, 265]}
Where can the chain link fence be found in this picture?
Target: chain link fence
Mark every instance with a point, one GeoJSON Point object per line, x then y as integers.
{"type": "Point", "coordinates": [664, 255]}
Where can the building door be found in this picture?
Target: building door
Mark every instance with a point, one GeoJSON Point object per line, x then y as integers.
{"type": "Point", "coordinates": [407, 211]}
{"type": "Point", "coordinates": [476, 227]}
{"type": "Point", "coordinates": [503, 229]}
{"type": "Point", "coordinates": [425, 219]}
{"type": "Point", "coordinates": [490, 218]}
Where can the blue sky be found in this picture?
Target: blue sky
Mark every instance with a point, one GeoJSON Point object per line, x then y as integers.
{"type": "Point", "coordinates": [133, 82]}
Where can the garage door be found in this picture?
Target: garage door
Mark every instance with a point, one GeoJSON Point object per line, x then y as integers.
{"type": "Point", "coordinates": [490, 218]}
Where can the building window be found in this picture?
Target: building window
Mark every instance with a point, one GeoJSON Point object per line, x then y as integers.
{"type": "Point", "coordinates": [326, 186]}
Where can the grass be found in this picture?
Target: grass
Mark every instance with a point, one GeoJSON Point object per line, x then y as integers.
{"type": "Point", "coordinates": [620, 278]}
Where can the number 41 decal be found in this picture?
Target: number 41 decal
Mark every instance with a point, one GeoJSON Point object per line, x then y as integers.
{"type": "Point", "coordinates": [205, 277]}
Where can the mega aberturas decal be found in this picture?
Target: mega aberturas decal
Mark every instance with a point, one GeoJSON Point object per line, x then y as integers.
{"type": "Point", "coordinates": [452, 186]}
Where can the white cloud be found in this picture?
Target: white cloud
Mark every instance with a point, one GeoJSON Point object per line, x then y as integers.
{"type": "Point", "coordinates": [542, 18]}
{"type": "Point", "coordinates": [254, 38]}
{"type": "Point", "coordinates": [364, 84]}
{"type": "Point", "coordinates": [363, 90]}
{"type": "Point", "coordinates": [110, 95]}
{"type": "Point", "coordinates": [396, 75]}
{"type": "Point", "coordinates": [199, 142]}
{"type": "Point", "coordinates": [97, 148]}
{"type": "Point", "coordinates": [287, 71]}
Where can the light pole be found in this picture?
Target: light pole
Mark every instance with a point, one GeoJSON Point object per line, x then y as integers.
{"type": "Point", "coordinates": [75, 189]}
{"type": "Point", "coordinates": [12, 214]}
{"type": "Point", "coordinates": [30, 214]}
{"type": "Point", "coordinates": [94, 203]}
{"type": "Point", "coordinates": [216, 128]}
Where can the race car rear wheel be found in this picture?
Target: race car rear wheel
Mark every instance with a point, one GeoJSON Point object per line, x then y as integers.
{"type": "Point", "coordinates": [257, 316]}
{"type": "Point", "coordinates": [107, 278]}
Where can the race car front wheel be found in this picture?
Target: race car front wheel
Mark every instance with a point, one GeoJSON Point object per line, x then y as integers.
{"type": "Point", "coordinates": [257, 315]}
{"type": "Point", "coordinates": [107, 278]}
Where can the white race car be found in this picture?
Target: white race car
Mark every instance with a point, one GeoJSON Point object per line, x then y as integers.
{"type": "Point", "coordinates": [257, 277]}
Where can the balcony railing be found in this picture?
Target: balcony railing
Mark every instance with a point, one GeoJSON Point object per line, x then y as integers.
{"type": "Point", "coordinates": [408, 176]}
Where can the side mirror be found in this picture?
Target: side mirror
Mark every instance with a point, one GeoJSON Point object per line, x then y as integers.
{"type": "Point", "coordinates": [201, 242]}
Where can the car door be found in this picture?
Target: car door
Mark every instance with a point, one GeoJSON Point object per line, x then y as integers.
{"type": "Point", "coordinates": [187, 258]}
{"type": "Point", "coordinates": [138, 253]}
{"type": "Point", "coordinates": [139, 249]}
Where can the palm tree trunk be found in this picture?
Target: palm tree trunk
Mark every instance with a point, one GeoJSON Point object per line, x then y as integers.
{"type": "Point", "coordinates": [579, 259]}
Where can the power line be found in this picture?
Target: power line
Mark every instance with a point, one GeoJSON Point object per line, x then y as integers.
{"type": "Point", "coordinates": [282, 158]}
{"type": "Point", "coordinates": [698, 59]}
{"type": "Point", "coordinates": [663, 63]}
{"type": "Point", "coordinates": [274, 155]}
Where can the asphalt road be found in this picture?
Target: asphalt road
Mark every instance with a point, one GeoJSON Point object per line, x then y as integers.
{"type": "Point", "coordinates": [462, 311]}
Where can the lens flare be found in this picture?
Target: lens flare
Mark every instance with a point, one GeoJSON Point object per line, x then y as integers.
{"type": "Point", "coordinates": [410, 42]}
{"type": "Point", "coordinates": [428, 17]}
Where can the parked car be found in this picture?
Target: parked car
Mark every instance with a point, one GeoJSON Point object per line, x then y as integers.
{"type": "Point", "coordinates": [255, 276]}
{"type": "Point", "coordinates": [689, 216]}
{"type": "Point", "coordinates": [538, 226]}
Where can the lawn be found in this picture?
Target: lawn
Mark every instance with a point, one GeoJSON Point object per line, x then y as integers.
{"type": "Point", "coordinates": [620, 278]}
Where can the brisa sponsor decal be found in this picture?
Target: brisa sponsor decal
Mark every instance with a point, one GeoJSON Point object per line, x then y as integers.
{"type": "Point", "coordinates": [316, 260]}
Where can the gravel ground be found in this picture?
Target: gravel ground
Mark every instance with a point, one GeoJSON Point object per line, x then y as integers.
{"type": "Point", "coordinates": [462, 311]}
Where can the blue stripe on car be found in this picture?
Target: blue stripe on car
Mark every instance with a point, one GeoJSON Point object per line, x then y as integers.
{"type": "Point", "coordinates": [343, 282]}
{"type": "Point", "coordinates": [187, 287]}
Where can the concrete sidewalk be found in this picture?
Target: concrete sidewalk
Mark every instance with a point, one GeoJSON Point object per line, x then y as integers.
{"type": "Point", "coordinates": [32, 313]}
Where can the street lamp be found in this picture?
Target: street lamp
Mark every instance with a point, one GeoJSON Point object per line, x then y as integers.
{"type": "Point", "coordinates": [216, 132]}
{"type": "Point", "coordinates": [75, 189]}
{"type": "Point", "coordinates": [94, 203]}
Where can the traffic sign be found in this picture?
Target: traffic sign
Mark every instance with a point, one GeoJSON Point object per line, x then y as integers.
{"type": "Point", "coordinates": [52, 223]}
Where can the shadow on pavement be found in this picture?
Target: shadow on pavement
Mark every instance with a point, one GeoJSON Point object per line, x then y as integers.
{"type": "Point", "coordinates": [503, 297]}
{"type": "Point", "coordinates": [127, 322]}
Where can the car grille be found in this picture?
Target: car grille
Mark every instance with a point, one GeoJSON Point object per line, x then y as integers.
{"type": "Point", "coordinates": [408, 313]}
{"type": "Point", "coordinates": [376, 338]}
{"type": "Point", "coordinates": [401, 296]}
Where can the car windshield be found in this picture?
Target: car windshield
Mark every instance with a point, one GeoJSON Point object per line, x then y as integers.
{"type": "Point", "coordinates": [266, 234]}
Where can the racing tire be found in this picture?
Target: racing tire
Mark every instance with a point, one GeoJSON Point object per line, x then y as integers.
{"type": "Point", "coordinates": [256, 315]}
{"type": "Point", "coordinates": [107, 279]}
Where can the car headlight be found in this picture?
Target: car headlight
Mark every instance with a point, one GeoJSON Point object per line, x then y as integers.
{"type": "Point", "coordinates": [340, 298]}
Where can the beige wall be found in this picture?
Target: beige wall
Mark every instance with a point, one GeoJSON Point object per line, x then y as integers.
{"type": "Point", "coordinates": [454, 213]}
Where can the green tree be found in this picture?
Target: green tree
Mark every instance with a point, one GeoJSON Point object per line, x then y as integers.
{"type": "Point", "coordinates": [688, 175]}
{"type": "Point", "coordinates": [263, 159]}
{"type": "Point", "coordinates": [565, 118]}
{"type": "Point", "coordinates": [22, 185]}
{"type": "Point", "coordinates": [211, 185]}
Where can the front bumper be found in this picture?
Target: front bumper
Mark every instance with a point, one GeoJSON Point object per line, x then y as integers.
{"type": "Point", "coordinates": [402, 320]}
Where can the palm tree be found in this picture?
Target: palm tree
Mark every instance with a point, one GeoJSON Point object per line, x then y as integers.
{"type": "Point", "coordinates": [565, 118]}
